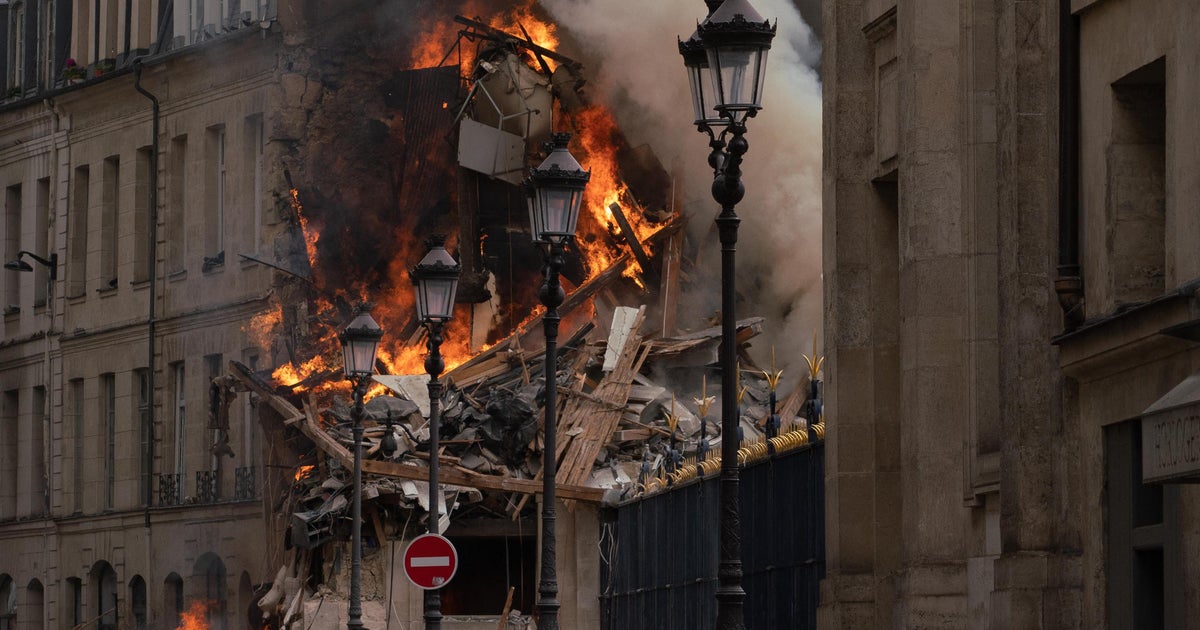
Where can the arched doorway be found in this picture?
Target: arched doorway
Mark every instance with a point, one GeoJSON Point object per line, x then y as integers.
{"type": "Point", "coordinates": [8, 603]}
{"type": "Point", "coordinates": [137, 602]}
{"type": "Point", "coordinates": [104, 586]}
{"type": "Point", "coordinates": [172, 605]}
{"type": "Point", "coordinates": [33, 610]}
{"type": "Point", "coordinates": [209, 577]}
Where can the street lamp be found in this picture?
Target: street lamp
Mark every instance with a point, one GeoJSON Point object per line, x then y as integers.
{"type": "Point", "coordinates": [17, 264]}
{"type": "Point", "coordinates": [360, 341]}
{"type": "Point", "coordinates": [554, 191]}
{"type": "Point", "coordinates": [735, 40]}
{"type": "Point", "coordinates": [435, 281]}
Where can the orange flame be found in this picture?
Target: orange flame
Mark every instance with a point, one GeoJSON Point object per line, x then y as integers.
{"type": "Point", "coordinates": [303, 472]}
{"type": "Point", "coordinates": [194, 618]}
{"type": "Point", "coordinates": [439, 32]}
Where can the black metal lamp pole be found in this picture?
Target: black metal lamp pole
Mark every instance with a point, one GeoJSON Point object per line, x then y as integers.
{"type": "Point", "coordinates": [726, 61]}
{"type": "Point", "coordinates": [551, 295]}
{"type": "Point", "coordinates": [355, 614]}
{"type": "Point", "coordinates": [555, 191]}
{"type": "Point", "coordinates": [435, 281]}
{"type": "Point", "coordinates": [434, 366]}
{"type": "Point", "coordinates": [360, 341]}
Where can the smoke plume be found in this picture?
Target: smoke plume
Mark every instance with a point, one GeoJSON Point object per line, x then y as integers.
{"type": "Point", "coordinates": [629, 47]}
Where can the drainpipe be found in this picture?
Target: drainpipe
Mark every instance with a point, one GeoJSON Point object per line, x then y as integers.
{"type": "Point", "coordinates": [153, 262]}
{"type": "Point", "coordinates": [1069, 283]}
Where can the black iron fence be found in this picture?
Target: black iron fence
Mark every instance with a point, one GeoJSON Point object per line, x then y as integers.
{"type": "Point", "coordinates": [659, 554]}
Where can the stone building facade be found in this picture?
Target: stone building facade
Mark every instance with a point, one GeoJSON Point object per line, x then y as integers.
{"type": "Point", "coordinates": [113, 508]}
{"type": "Point", "coordinates": [1010, 291]}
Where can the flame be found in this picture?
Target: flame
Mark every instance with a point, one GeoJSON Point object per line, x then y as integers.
{"type": "Point", "coordinates": [596, 143]}
{"type": "Point", "coordinates": [311, 236]}
{"type": "Point", "coordinates": [194, 618]}
{"type": "Point", "coordinates": [303, 472]}
{"type": "Point", "coordinates": [439, 33]}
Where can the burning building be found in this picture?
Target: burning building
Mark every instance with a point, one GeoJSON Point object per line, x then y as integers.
{"type": "Point", "coordinates": [171, 429]}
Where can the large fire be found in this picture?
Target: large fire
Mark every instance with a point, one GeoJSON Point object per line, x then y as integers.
{"type": "Point", "coordinates": [600, 241]}
{"type": "Point", "coordinates": [195, 617]}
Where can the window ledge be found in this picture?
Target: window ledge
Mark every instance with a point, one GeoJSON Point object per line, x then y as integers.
{"type": "Point", "coordinates": [139, 284]}
{"type": "Point", "coordinates": [107, 291]}
{"type": "Point", "coordinates": [177, 275]}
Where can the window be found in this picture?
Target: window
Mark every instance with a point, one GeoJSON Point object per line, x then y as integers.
{"type": "Point", "coordinates": [109, 213]}
{"type": "Point", "coordinates": [46, 44]}
{"type": "Point", "coordinates": [110, 31]}
{"type": "Point", "coordinates": [196, 19]}
{"type": "Point", "coordinates": [37, 454]}
{"type": "Point", "coordinates": [180, 407]}
{"type": "Point", "coordinates": [1137, 198]}
{"type": "Point", "coordinates": [78, 439]}
{"type": "Point", "coordinates": [254, 132]}
{"type": "Point", "coordinates": [77, 229]}
{"type": "Point", "coordinates": [108, 414]}
{"type": "Point", "coordinates": [212, 365]}
{"type": "Point", "coordinates": [9, 452]}
{"type": "Point", "coordinates": [16, 46]}
{"type": "Point", "coordinates": [176, 196]}
{"type": "Point", "coordinates": [142, 382]}
{"type": "Point", "coordinates": [249, 419]}
{"type": "Point", "coordinates": [141, 216]}
{"type": "Point", "coordinates": [12, 245]}
{"type": "Point", "coordinates": [41, 240]}
{"type": "Point", "coordinates": [214, 225]}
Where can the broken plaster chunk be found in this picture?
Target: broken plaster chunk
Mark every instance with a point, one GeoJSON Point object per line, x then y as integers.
{"type": "Point", "coordinates": [413, 387]}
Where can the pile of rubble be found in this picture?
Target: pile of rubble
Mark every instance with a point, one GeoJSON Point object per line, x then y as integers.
{"type": "Point", "coordinates": [620, 433]}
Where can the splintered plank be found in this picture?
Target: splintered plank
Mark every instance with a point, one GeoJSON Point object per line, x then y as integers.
{"type": "Point", "coordinates": [599, 418]}
{"type": "Point", "coordinates": [598, 414]}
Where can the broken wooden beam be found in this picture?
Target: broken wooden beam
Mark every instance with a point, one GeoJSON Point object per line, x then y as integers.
{"type": "Point", "coordinates": [630, 237]}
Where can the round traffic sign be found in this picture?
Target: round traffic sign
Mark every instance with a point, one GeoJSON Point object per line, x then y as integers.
{"type": "Point", "coordinates": [430, 561]}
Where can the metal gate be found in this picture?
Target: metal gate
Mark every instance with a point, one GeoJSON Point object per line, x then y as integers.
{"type": "Point", "coordinates": [659, 554]}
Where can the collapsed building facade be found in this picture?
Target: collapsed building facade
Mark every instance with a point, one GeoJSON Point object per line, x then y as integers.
{"type": "Point", "coordinates": [173, 415]}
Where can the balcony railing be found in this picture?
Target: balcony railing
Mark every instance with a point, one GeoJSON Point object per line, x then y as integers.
{"type": "Point", "coordinates": [170, 489]}
{"type": "Point", "coordinates": [245, 486]}
{"type": "Point", "coordinates": [208, 486]}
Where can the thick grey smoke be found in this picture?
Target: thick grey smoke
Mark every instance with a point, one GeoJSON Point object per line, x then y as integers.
{"type": "Point", "coordinates": [630, 49]}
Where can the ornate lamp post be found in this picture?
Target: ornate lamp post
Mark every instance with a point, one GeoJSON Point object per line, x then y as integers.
{"type": "Point", "coordinates": [728, 80]}
{"type": "Point", "coordinates": [555, 191]}
{"type": "Point", "coordinates": [360, 341]}
{"type": "Point", "coordinates": [435, 281]}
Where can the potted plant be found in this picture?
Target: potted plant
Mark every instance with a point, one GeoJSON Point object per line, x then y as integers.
{"type": "Point", "coordinates": [104, 65]}
{"type": "Point", "coordinates": [73, 72]}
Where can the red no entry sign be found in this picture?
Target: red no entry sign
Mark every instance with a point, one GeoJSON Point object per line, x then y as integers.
{"type": "Point", "coordinates": [430, 561]}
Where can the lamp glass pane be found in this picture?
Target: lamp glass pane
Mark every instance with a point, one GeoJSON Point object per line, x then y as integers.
{"type": "Point", "coordinates": [535, 228]}
{"type": "Point", "coordinates": [439, 297]}
{"type": "Point", "coordinates": [702, 93]}
{"type": "Point", "coordinates": [556, 210]}
{"type": "Point", "coordinates": [735, 69]}
{"type": "Point", "coordinates": [359, 356]}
